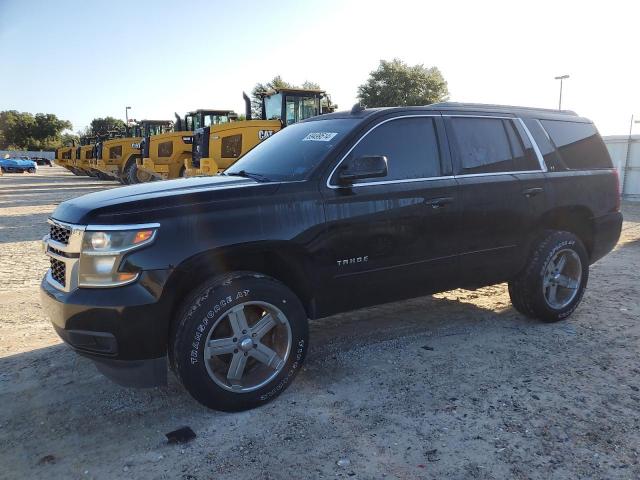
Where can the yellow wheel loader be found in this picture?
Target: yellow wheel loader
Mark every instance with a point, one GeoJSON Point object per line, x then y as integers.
{"type": "Point", "coordinates": [217, 147]}
{"type": "Point", "coordinates": [116, 157]}
{"type": "Point", "coordinates": [84, 156]}
{"type": "Point", "coordinates": [64, 157]}
{"type": "Point", "coordinates": [164, 155]}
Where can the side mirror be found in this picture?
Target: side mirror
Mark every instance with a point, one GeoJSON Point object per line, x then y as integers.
{"type": "Point", "coordinates": [370, 166]}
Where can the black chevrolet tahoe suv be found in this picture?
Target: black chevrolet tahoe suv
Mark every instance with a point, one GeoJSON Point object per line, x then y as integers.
{"type": "Point", "coordinates": [217, 276]}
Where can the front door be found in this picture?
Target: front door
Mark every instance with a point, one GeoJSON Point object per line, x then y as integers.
{"type": "Point", "coordinates": [393, 237]}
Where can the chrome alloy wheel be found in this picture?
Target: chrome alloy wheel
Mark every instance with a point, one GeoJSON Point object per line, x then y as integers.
{"type": "Point", "coordinates": [562, 278]}
{"type": "Point", "coordinates": [248, 346]}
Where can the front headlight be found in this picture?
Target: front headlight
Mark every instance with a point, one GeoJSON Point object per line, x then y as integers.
{"type": "Point", "coordinates": [103, 251]}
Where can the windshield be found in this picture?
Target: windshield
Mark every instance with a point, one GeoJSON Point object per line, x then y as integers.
{"type": "Point", "coordinates": [211, 119]}
{"type": "Point", "coordinates": [294, 152]}
{"type": "Point", "coordinates": [156, 129]}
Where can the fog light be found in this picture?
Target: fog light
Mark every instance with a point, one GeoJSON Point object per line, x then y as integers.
{"type": "Point", "coordinates": [103, 265]}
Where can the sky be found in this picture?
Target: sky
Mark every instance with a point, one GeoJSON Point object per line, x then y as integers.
{"type": "Point", "coordinates": [87, 59]}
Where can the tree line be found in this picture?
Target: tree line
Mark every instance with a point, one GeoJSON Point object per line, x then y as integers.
{"type": "Point", "coordinates": [393, 83]}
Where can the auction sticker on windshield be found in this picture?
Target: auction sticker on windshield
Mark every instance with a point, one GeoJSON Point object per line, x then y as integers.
{"type": "Point", "coordinates": [319, 137]}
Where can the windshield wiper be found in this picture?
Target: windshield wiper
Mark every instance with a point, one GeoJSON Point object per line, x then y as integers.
{"type": "Point", "coordinates": [243, 173]}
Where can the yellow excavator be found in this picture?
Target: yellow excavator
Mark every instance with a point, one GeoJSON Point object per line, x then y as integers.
{"type": "Point", "coordinates": [116, 156]}
{"type": "Point", "coordinates": [164, 155]}
{"type": "Point", "coordinates": [217, 147]}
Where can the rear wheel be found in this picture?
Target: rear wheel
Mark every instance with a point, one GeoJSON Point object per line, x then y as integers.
{"type": "Point", "coordinates": [240, 341]}
{"type": "Point", "coordinates": [183, 172]}
{"type": "Point", "coordinates": [553, 281]}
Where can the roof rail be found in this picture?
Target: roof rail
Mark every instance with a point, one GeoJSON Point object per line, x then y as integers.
{"type": "Point", "coordinates": [502, 107]}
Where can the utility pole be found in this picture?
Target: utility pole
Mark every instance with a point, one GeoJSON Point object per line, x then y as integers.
{"type": "Point", "coordinates": [625, 169]}
{"type": "Point", "coordinates": [561, 78]}
{"type": "Point", "coordinates": [126, 115]}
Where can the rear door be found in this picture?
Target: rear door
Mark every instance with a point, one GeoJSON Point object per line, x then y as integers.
{"type": "Point", "coordinates": [499, 177]}
{"type": "Point", "coordinates": [393, 237]}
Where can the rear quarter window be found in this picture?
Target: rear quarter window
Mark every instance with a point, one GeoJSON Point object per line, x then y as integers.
{"type": "Point", "coordinates": [579, 144]}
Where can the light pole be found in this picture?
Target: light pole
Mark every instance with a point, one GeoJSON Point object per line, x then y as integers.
{"type": "Point", "coordinates": [561, 78]}
{"type": "Point", "coordinates": [126, 115]}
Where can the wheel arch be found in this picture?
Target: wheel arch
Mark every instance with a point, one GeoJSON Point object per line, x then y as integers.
{"type": "Point", "coordinates": [279, 260]}
{"type": "Point", "coordinates": [575, 219]}
{"type": "Point", "coordinates": [132, 157]}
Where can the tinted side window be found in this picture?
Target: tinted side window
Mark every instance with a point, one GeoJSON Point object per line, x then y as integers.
{"type": "Point", "coordinates": [579, 144]}
{"type": "Point", "coordinates": [481, 145]}
{"type": "Point", "coordinates": [524, 157]}
{"type": "Point", "coordinates": [549, 153]}
{"type": "Point", "coordinates": [410, 145]}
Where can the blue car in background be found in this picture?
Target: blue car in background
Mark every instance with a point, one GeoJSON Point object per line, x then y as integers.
{"type": "Point", "coordinates": [17, 165]}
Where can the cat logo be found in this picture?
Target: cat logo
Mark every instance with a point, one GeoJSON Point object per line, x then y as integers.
{"type": "Point", "coordinates": [135, 145]}
{"type": "Point", "coordinates": [264, 134]}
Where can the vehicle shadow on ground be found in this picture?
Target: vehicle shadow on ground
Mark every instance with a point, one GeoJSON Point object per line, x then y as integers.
{"type": "Point", "coordinates": [61, 383]}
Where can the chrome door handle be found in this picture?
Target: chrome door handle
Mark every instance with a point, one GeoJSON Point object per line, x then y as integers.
{"type": "Point", "coordinates": [532, 192]}
{"type": "Point", "coordinates": [438, 202]}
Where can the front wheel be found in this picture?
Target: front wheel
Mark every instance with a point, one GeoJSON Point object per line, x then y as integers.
{"type": "Point", "coordinates": [31, 170]}
{"type": "Point", "coordinates": [240, 340]}
{"type": "Point", "coordinates": [130, 173]}
{"type": "Point", "coordinates": [553, 281]}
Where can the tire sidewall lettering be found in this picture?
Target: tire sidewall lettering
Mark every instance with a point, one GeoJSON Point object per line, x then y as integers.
{"type": "Point", "coordinates": [290, 372]}
{"type": "Point", "coordinates": [220, 307]}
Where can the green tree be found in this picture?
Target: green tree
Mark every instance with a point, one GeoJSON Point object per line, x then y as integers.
{"type": "Point", "coordinates": [69, 138]}
{"type": "Point", "coordinates": [24, 131]}
{"type": "Point", "coordinates": [103, 125]}
{"type": "Point", "coordinates": [308, 85]}
{"type": "Point", "coordinates": [395, 83]}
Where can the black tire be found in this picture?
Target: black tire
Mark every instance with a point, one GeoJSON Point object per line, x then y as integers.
{"type": "Point", "coordinates": [206, 310]}
{"type": "Point", "coordinates": [527, 290]}
{"type": "Point", "coordinates": [183, 172]}
{"type": "Point", "coordinates": [130, 172]}
{"type": "Point", "coordinates": [31, 170]}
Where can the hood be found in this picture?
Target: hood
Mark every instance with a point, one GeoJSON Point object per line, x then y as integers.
{"type": "Point", "coordinates": [152, 201]}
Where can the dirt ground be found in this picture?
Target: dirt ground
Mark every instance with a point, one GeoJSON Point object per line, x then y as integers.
{"type": "Point", "coordinates": [455, 386]}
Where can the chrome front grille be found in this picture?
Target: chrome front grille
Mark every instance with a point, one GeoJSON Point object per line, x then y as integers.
{"type": "Point", "coordinates": [59, 233]}
{"type": "Point", "coordinates": [63, 246]}
{"type": "Point", "coordinates": [58, 271]}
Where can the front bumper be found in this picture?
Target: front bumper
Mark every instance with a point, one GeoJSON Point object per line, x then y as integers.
{"type": "Point", "coordinates": [124, 330]}
{"type": "Point", "coordinates": [208, 166]}
{"type": "Point", "coordinates": [112, 170]}
{"type": "Point", "coordinates": [155, 170]}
